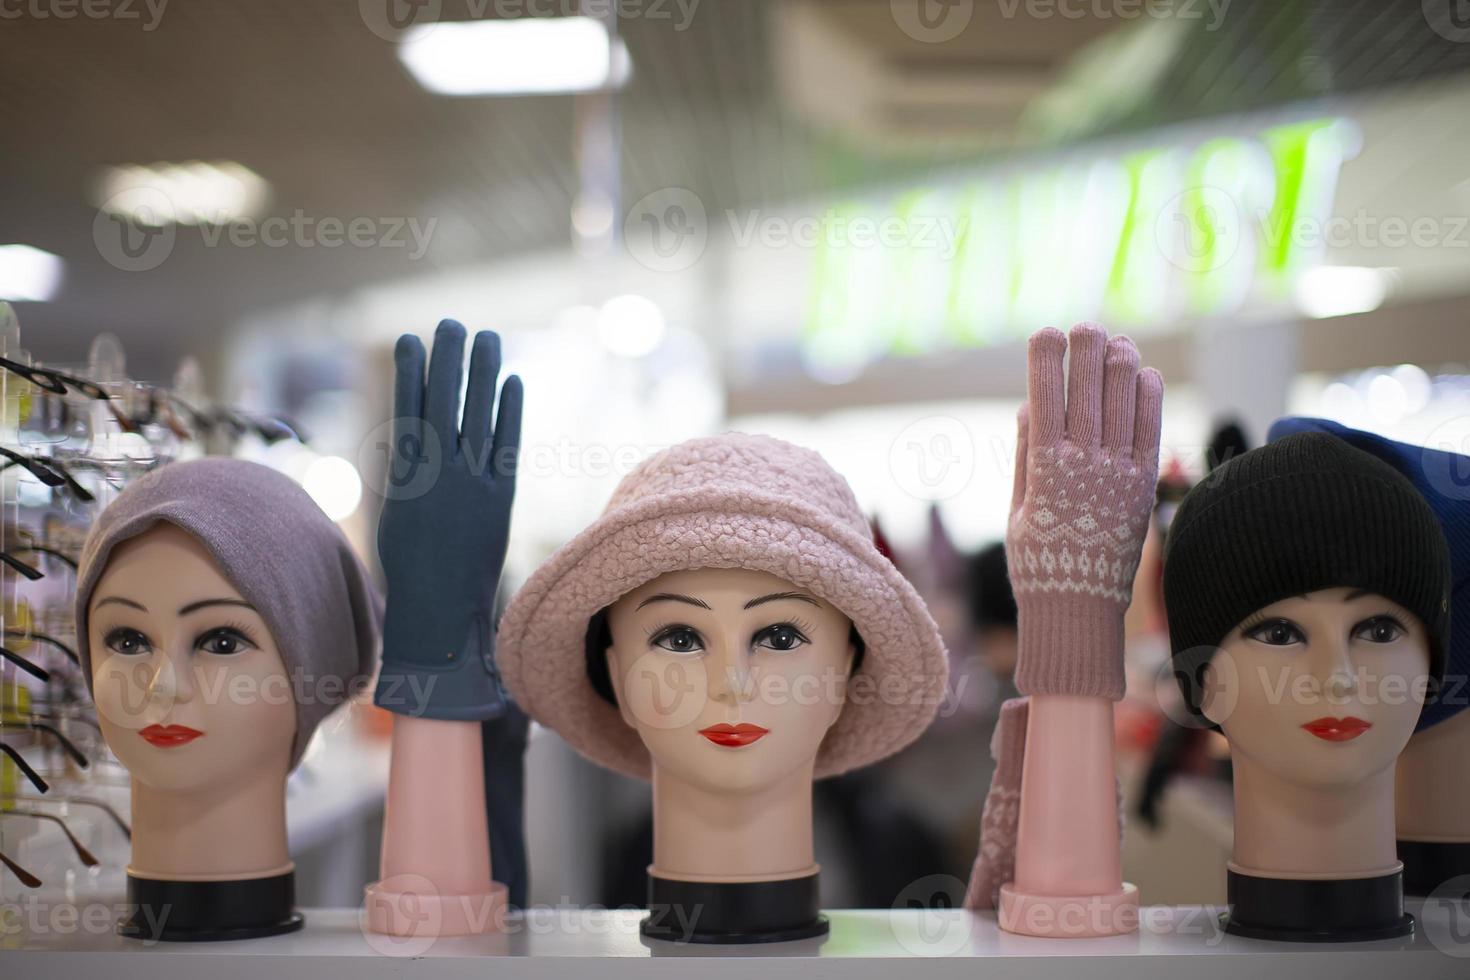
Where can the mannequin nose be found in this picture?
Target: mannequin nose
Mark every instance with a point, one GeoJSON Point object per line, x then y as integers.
{"type": "Point", "coordinates": [171, 683]}
{"type": "Point", "coordinates": [729, 674]}
{"type": "Point", "coordinates": [1341, 680]}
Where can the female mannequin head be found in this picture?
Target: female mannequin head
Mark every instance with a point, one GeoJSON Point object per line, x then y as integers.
{"type": "Point", "coordinates": [1307, 590]}
{"type": "Point", "coordinates": [220, 617]}
{"type": "Point", "coordinates": [1321, 690]}
{"type": "Point", "coordinates": [694, 654]}
{"type": "Point", "coordinates": [192, 694]}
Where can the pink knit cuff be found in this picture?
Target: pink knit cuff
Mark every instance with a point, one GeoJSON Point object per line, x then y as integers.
{"type": "Point", "coordinates": [995, 863]}
{"type": "Point", "coordinates": [1070, 646]}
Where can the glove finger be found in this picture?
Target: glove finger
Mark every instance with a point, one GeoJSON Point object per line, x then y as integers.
{"type": "Point", "coordinates": [506, 448]}
{"type": "Point", "coordinates": [479, 399]}
{"type": "Point", "coordinates": [408, 378]}
{"type": "Point", "coordinates": [1018, 488]}
{"type": "Point", "coordinates": [1148, 416]}
{"type": "Point", "coordinates": [1045, 386]}
{"type": "Point", "coordinates": [1088, 342]}
{"type": "Point", "coordinates": [1120, 383]}
{"type": "Point", "coordinates": [446, 371]}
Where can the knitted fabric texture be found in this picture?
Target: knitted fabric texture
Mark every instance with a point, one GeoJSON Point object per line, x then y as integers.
{"type": "Point", "coordinates": [1303, 513]}
{"type": "Point", "coordinates": [995, 864]}
{"type": "Point", "coordinates": [729, 501]}
{"type": "Point", "coordinates": [287, 558]}
{"type": "Point", "coordinates": [1087, 463]}
{"type": "Point", "coordinates": [1443, 480]}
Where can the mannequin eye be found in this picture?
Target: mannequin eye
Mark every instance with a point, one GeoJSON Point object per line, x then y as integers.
{"type": "Point", "coordinates": [1379, 629]}
{"type": "Point", "coordinates": [128, 642]}
{"type": "Point", "coordinates": [1277, 633]}
{"type": "Point", "coordinates": [224, 642]}
{"type": "Point", "coordinates": [678, 639]}
{"type": "Point", "coordinates": [781, 636]}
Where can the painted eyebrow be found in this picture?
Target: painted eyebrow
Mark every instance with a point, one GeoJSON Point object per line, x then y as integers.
{"type": "Point", "coordinates": [674, 597]}
{"type": "Point", "coordinates": [202, 603]}
{"type": "Point", "coordinates": [777, 596]}
{"type": "Point", "coordinates": [122, 602]}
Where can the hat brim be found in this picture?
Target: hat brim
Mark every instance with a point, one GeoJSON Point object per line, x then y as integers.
{"type": "Point", "coordinates": [541, 647]}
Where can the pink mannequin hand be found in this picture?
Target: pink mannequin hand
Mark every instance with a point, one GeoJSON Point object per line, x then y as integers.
{"type": "Point", "coordinates": [1087, 460]}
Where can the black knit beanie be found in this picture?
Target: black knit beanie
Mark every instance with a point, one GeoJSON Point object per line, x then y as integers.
{"type": "Point", "coordinates": [1304, 513]}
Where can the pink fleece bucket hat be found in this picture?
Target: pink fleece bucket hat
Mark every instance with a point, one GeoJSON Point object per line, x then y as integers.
{"type": "Point", "coordinates": [729, 501]}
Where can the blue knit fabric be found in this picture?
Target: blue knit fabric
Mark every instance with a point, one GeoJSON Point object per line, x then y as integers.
{"type": "Point", "coordinates": [1444, 480]}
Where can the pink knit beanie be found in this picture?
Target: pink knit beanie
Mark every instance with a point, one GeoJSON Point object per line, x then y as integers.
{"type": "Point", "coordinates": [729, 501]}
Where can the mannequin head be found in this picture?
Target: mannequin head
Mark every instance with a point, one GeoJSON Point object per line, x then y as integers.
{"type": "Point", "coordinates": [1323, 689]}
{"type": "Point", "coordinates": [176, 648]}
{"type": "Point", "coordinates": [212, 529]}
{"type": "Point", "coordinates": [691, 651]}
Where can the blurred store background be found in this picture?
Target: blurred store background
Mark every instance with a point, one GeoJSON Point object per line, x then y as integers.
{"type": "Point", "coordinates": [834, 221]}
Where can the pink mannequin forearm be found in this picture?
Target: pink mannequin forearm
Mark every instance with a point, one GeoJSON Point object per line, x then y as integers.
{"type": "Point", "coordinates": [436, 842]}
{"type": "Point", "coordinates": [1068, 869]}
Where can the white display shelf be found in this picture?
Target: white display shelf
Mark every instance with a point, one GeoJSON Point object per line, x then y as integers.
{"type": "Point", "coordinates": [569, 944]}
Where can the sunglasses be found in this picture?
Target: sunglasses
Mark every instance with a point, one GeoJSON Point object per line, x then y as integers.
{"type": "Point", "coordinates": [48, 471]}
{"type": "Point", "coordinates": [47, 639]}
{"type": "Point", "coordinates": [26, 878]}
{"type": "Point", "coordinates": [67, 745]}
{"type": "Point", "coordinates": [25, 767]}
{"type": "Point", "coordinates": [38, 673]}
{"type": "Point", "coordinates": [57, 383]}
{"type": "Point", "coordinates": [85, 855]}
{"type": "Point", "coordinates": [66, 801]}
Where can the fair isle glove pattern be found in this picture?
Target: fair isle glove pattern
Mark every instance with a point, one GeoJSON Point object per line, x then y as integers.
{"type": "Point", "coordinates": [1087, 460]}
{"type": "Point", "coordinates": [995, 864]}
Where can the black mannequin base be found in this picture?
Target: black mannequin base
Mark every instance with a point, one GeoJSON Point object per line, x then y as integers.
{"type": "Point", "coordinates": [1335, 910]}
{"type": "Point", "coordinates": [210, 911]}
{"type": "Point", "coordinates": [1428, 865]}
{"type": "Point", "coordinates": [735, 913]}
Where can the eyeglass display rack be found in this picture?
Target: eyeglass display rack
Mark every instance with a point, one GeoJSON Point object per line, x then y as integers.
{"type": "Point", "coordinates": [71, 438]}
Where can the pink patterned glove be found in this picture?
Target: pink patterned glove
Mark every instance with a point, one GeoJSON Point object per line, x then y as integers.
{"type": "Point", "coordinates": [995, 864]}
{"type": "Point", "coordinates": [1087, 459]}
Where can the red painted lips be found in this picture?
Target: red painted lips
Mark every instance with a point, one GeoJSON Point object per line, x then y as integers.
{"type": "Point", "coordinates": [168, 736]}
{"type": "Point", "coordinates": [1338, 729]}
{"type": "Point", "coordinates": [734, 736]}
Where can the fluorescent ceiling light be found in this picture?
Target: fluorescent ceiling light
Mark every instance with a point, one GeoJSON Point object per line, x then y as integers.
{"type": "Point", "coordinates": [28, 273]}
{"type": "Point", "coordinates": [191, 193]}
{"type": "Point", "coordinates": [529, 56]}
{"type": "Point", "coordinates": [1340, 290]}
